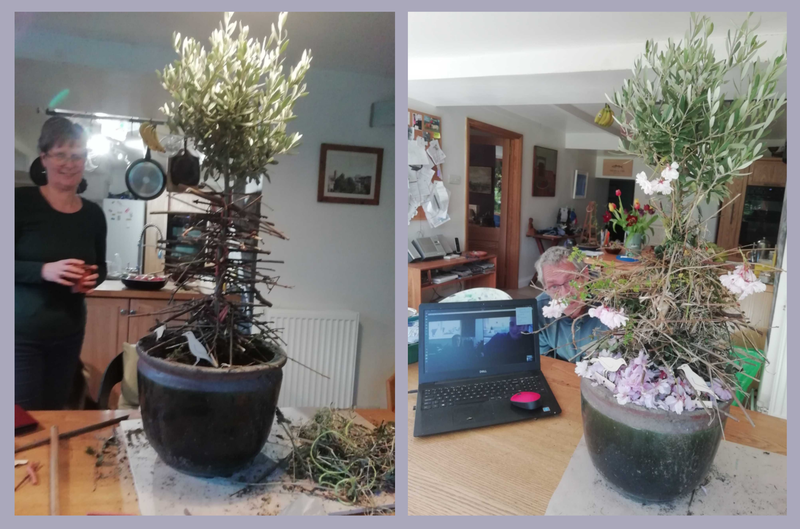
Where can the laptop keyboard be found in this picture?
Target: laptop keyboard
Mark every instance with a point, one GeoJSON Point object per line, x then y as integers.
{"type": "Point", "coordinates": [472, 392]}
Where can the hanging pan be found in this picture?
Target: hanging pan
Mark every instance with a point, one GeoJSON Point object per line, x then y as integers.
{"type": "Point", "coordinates": [145, 178]}
{"type": "Point", "coordinates": [184, 168]}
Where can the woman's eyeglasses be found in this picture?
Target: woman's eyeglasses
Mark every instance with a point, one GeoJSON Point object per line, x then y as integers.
{"type": "Point", "coordinates": [61, 157]}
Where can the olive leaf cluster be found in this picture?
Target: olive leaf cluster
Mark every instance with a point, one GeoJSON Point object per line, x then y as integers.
{"type": "Point", "coordinates": [710, 116]}
{"type": "Point", "coordinates": [234, 100]}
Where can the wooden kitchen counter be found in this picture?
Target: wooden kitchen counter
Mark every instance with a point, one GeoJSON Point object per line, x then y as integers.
{"type": "Point", "coordinates": [112, 288]}
{"type": "Point", "coordinates": [83, 487]}
{"type": "Point", "coordinates": [513, 469]}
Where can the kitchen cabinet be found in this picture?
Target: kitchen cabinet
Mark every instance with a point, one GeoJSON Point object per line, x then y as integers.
{"type": "Point", "coordinates": [106, 331]}
{"type": "Point", "coordinates": [141, 317]}
{"type": "Point", "coordinates": [755, 206]}
{"type": "Point", "coordinates": [116, 315]}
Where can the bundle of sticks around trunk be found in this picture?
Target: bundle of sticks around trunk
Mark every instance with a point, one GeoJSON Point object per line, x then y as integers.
{"type": "Point", "coordinates": [225, 231]}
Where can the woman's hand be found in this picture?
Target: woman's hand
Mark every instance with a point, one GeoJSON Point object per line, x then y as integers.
{"type": "Point", "coordinates": [86, 283]}
{"type": "Point", "coordinates": [67, 272]}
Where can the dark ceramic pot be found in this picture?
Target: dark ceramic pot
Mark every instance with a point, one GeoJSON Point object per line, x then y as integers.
{"type": "Point", "coordinates": [205, 421]}
{"type": "Point", "coordinates": [649, 455]}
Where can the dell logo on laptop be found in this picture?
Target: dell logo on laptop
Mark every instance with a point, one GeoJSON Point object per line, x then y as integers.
{"type": "Point", "coordinates": [482, 371]}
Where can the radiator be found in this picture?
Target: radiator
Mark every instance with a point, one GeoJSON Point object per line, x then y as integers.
{"type": "Point", "coordinates": [325, 341]}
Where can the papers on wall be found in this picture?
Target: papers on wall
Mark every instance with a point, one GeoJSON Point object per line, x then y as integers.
{"type": "Point", "coordinates": [436, 206]}
{"type": "Point", "coordinates": [416, 152]}
{"type": "Point", "coordinates": [422, 189]}
{"type": "Point", "coordinates": [435, 152]}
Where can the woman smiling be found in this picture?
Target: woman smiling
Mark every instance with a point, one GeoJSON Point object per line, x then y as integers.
{"type": "Point", "coordinates": [60, 247]}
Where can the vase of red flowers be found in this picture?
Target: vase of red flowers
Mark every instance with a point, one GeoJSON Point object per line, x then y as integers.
{"type": "Point", "coordinates": [635, 222]}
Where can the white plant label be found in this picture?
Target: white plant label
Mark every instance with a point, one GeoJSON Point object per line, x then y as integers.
{"type": "Point", "coordinates": [198, 350]}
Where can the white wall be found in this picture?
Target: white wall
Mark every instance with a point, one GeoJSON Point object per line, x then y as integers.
{"type": "Point", "coordinates": [542, 210]}
{"type": "Point", "coordinates": [339, 255]}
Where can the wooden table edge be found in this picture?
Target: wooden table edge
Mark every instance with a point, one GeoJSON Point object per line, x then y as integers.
{"type": "Point", "coordinates": [374, 415]}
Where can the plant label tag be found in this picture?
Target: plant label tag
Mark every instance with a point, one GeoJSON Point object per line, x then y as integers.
{"type": "Point", "coordinates": [198, 350]}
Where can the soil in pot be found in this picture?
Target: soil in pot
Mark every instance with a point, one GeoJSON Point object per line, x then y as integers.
{"type": "Point", "coordinates": [208, 421]}
{"type": "Point", "coordinates": [650, 455]}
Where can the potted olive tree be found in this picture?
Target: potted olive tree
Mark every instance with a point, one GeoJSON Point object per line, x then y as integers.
{"type": "Point", "coordinates": [210, 374]}
{"type": "Point", "coordinates": [657, 387]}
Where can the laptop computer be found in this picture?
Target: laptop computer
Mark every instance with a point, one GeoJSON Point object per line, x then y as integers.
{"type": "Point", "coordinates": [473, 357]}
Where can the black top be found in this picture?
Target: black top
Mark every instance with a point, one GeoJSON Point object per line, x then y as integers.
{"type": "Point", "coordinates": [43, 309]}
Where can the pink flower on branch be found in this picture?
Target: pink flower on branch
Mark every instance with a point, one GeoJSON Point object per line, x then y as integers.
{"type": "Point", "coordinates": [554, 309]}
{"type": "Point", "coordinates": [742, 281]}
{"type": "Point", "coordinates": [611, 318]}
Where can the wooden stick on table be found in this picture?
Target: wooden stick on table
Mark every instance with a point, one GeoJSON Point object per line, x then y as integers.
{"type": "Point", "coordinates": [72, 433]}
{"type": "Point", "coordinates": [54, 470]}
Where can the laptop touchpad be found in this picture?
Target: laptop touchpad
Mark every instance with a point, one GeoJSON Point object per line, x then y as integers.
{"type": "Point", "coordinates": [472, 413]}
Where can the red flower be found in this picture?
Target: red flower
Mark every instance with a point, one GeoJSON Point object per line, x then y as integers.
{"type": "Point", "coordinates": [607, 216]}
{"type": "Point", "coordinates": [619, 193]}
{"type": "Point", "coordinates": [632, 219]}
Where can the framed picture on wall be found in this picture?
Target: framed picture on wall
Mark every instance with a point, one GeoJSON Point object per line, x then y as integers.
{"type": "Point", "coordinates": [579, 185]}
{"type": "Point", "coordinates": [544, 171]}
{"type": "Point", "coordinates": [349, 174]}
{"type": "Point", "coordinates": [480, 179]}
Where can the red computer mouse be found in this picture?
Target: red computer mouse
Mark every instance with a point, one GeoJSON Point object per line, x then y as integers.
{"type": "Point", "coordinates": [527, 400]}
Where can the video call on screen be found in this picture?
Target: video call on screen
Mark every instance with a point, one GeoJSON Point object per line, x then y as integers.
{"type": "Point", "coordinates": [476, 340]}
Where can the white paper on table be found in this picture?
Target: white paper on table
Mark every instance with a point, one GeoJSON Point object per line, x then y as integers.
{"type": "Point", "coordinates": [436, 153]}
{"type": "Point", "coordinates": [416, 152]}
{"type": "Point", "coordinates": [413, 176]}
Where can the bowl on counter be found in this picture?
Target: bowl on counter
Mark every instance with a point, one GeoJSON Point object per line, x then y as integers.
{"type": "Point", "coordinates": [144, 281]}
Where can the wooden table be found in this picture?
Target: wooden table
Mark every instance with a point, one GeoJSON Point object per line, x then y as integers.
{"type": "Point", "coordinates": [422, 270]}
{"type": "Point", "coordinates": [79, 492]}
{"type": "Point", "coordinates": [513, 469]}
{"type": "Point", "coordinates": [554, 239]}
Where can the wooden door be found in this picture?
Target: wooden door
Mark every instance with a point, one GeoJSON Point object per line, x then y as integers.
{"type": "Point", "coordinates": [485, 236]}
{"type": "Point", "coordinates": [106, 330]}
{"type": "Point", "coordinates": [505, 240]}
{"type": "Point", "coordinates": [142, 319]}
{"type": "Point", "coordinates": [730, 218]}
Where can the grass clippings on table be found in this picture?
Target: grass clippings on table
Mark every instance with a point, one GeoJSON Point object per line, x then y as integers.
{"type": "Point", "coordinates": [349, 460]}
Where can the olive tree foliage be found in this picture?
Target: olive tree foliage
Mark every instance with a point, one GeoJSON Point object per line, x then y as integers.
{"type": "Point", "coordinates": [234, 100]}
{"type": "Point", "coordinates": [682, 105]}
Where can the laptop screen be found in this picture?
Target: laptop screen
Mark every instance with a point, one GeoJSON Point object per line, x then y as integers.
{"type": "Point", "coordinates": [463, 340]}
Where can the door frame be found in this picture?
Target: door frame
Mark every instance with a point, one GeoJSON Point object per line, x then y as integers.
{"type": "Point", "coordinates": [512, 188]}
